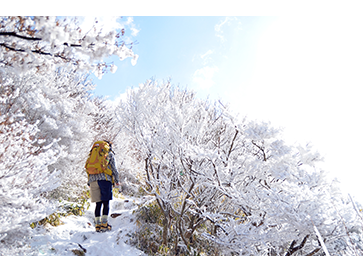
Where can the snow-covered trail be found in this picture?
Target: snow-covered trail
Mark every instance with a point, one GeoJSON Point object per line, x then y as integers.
{"type": "Point", "coordinates": [77, 234]}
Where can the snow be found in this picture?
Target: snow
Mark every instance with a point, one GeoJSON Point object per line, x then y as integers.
{"type": "Point", "coordinates": [78, 233]}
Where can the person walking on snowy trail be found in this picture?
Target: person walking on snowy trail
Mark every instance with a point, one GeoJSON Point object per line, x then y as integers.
{"type": "Point", "coordinates": [102, 175]}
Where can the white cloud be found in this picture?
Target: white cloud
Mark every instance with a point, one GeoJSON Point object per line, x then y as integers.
{"type": "Point", "coordinates": [131, 25]}
{"type": "Point", "coordinates": [218, 29]}
{"type": "Point", "coordinates": [227, 22]}
{"type": "Point", "coordinates": [109, 23]}
{"type": "Point", "coordinates": [206, 57]}
{"type": "Point", "coordinates": [203, 78]}
{"type": "Point", "coordinates": [116, 101]}
{"type": "Point", "coordinates": [206, 54]}
{"type": "Point", "coordinates": [134, 31]}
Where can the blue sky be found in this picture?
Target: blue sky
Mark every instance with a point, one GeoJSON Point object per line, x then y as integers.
{"type": "Point", "coordinates": [301, 73]}
{"type": "Point", "coordinates": [198, 52]}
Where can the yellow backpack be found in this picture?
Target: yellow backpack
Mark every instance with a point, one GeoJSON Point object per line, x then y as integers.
{"type": "Point", "coordinates": [98, 160]}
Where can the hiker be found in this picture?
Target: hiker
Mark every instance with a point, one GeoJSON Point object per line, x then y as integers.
{"type": "Point", "coordinates": [101, 179]}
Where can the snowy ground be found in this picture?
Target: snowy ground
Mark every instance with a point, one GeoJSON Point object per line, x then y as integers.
{"type": "Point", "coordinates": [77, 234]}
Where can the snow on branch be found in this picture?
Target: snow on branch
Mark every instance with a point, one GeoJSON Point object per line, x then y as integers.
{"type": "Point", "coordinates": [41, 42]}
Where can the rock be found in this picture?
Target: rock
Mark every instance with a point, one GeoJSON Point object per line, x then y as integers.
{"type": "Point", "coordinates": [114, 215]}
{"type": "Point", "coordinates": [78, 252]}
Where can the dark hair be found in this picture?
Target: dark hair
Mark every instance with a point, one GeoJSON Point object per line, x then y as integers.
{"type": "Point", "coordinates": [110, 143]}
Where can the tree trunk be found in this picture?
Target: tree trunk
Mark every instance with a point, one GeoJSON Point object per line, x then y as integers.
{"type": "Point", "coordinates": [165, 230]}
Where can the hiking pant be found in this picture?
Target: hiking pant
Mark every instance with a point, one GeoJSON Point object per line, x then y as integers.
{"type": "Point", "coordinates": [105, 188]}
{"type": "Point", "coordinates": [100, 190]}
{"type": "Point", "coordinates": [106, 208]}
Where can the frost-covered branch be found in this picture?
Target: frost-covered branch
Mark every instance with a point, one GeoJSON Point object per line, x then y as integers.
{"type": "Point", "coordinates": [43, 42]}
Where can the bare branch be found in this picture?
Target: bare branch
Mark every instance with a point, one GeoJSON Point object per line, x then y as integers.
{"type": "Point", "coordinates": [316, 250]}
{"type": "Point", "coordinates": [19, 36]}
{"type": "Point", "coordinates": [262, 149]}
{"type": "Point", "coordinates": [231, 147]}
{"type": "Point", "coordinates": [293, 249]}
{"type": "Point", "coordinates": [34, 51]}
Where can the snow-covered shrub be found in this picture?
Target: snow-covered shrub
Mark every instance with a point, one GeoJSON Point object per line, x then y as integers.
{"type": "Point", "coordinates": [228, 180]}
{"type": "Point", "coordinates": [60, 107]}
{"type": "Point", "coordinates": [148, 236]}
{"type": "Point", "coordinates": [24, 162]}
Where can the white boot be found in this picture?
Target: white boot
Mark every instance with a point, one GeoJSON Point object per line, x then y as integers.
{"type": "Point", "coordinates": [105, 226]}
{"type": "Point", "coordinates": [98, 223]}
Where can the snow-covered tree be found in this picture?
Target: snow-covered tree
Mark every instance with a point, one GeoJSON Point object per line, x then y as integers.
{"type": "Point", "coordinates": [61, 105]}
{"type": "Point", "coordinates": [45, 42]}
{"type": "Point", "coordinates": [47, 114]}
{"type": "Point", "coordinates": [24, 174]}
{"type": "Point", "coordinates": [228, 180]}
